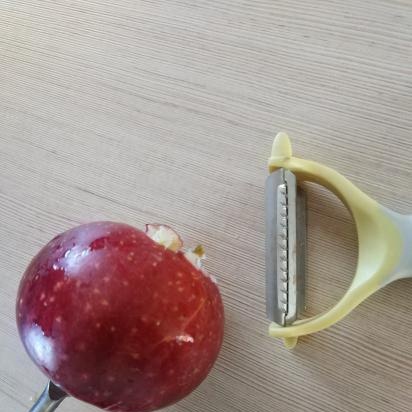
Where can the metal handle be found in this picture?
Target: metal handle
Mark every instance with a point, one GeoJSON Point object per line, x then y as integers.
{"type": "Point", "coordinates": [50, 399]}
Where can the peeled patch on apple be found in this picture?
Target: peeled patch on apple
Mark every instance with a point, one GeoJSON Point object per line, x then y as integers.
{"type": "Point", "coordinates": [124, 319]}
{"type": "Point", "coordinates": [166, 236]}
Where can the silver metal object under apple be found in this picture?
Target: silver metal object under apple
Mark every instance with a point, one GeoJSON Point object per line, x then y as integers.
{"type": "Point", "coordinates": [50, 399]}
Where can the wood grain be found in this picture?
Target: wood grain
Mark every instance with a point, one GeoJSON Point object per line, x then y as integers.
{"type": "Point", "coordinates": [142, 111]}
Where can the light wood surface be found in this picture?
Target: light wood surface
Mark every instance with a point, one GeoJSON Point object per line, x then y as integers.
{"type": "Point", "coordinates": [142, 111]}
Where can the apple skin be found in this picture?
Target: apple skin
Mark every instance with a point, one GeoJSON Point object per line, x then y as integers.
{"type": "Point", "coordinates": [117, 320]}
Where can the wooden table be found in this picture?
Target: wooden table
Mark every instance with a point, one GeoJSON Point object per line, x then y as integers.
{"type": "Point", "coordinates": [142, 111]}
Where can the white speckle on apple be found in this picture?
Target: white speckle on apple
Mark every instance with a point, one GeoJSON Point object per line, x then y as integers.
{"type": "Point", "coordinates": [57, 286]}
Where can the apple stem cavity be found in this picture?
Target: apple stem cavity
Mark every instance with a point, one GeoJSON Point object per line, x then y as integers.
{"type": "Point", "coordinates": [196, 256]}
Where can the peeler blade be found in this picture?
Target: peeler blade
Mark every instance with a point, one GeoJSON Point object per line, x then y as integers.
{"type": "Point", "coordinates": [285, 247]}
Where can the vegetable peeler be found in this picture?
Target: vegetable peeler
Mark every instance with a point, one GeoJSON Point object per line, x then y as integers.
{"type": "Point", "coordinates": [384, 243]}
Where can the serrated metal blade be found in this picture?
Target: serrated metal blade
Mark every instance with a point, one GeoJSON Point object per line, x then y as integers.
{"type": "Point", "coordinates": [285, 247]}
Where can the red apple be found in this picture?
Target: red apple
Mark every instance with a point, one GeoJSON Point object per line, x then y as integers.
{"type": "Point", "coordinates": [120, 318]}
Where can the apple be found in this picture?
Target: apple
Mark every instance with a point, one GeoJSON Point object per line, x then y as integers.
{"type": "Point", "coordinates": [120, 318]}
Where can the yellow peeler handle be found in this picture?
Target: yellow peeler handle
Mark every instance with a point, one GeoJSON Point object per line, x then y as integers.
{"type": "Point", "coordinates": [384, 240]}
